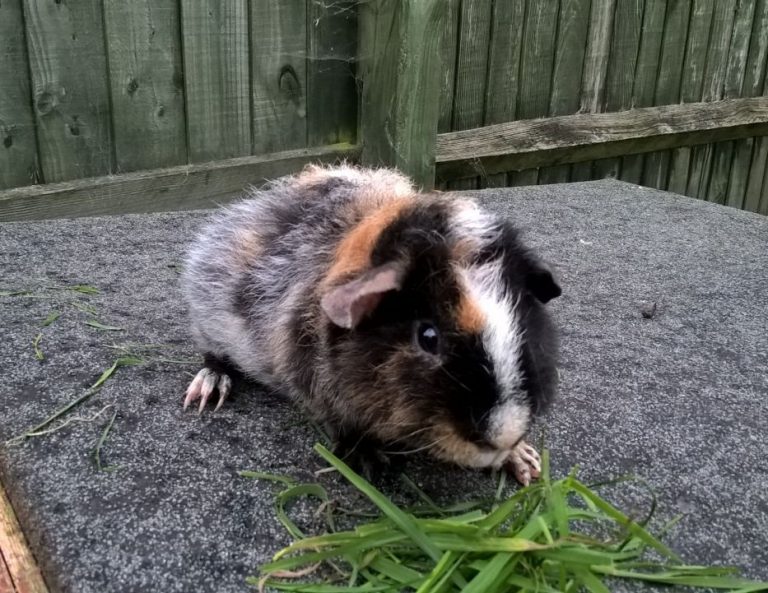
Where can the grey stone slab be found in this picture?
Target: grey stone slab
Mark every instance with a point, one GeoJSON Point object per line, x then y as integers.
{"type": "Point", "coordinates": [680, 398]}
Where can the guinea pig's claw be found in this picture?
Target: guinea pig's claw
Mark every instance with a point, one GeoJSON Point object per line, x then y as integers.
{"type": "Point", "coordinates": [204, 384]}
{"type": "Point", "coordinates": [524, 463]}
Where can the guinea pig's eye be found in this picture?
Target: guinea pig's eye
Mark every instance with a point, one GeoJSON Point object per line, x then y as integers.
{"type": "Point", "coordinates": [428, 337]}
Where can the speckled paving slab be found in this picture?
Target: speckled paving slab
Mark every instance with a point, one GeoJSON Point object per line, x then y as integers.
{"type": "Point", "coordinates": [680, 398]}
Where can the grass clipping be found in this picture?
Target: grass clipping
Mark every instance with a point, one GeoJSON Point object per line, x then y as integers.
{"type": "Point", "coordinates": [540, 539]}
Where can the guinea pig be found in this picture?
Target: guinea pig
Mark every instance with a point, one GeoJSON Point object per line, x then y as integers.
{"type": "Point", "coordinates": [397, 319]}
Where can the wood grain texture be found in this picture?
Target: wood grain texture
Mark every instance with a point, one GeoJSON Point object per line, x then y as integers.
{"type": "Point", "coordinates": [186, 187]}
{"type": "Point", "coordinates": [646, 70]}
{"type": "Point", "coordinates": [71, 97]}
{"type": "Point", "coordinates": [17, 565]}
{"type": "Point", "coordinates": [691, 85]}
{"type": "Point", "coordinates": [712, 90]}
{"type": "Point", "coordinates": [216, 78]}
{"type": "Point", "coordinates": [536, 65]}
{"type": "Point", "coordinates": [18, 142]}
{"type": "Point", "coordinates": [503, 85]}
{"type": "Point", "coordinates": [400, 45]}
{"type": "Point", "coordinates": [738, 50]}
{"type": "Point", "coordinates": [673, 43]}
{"type": "Point", "coordinates": [331, 87]}
{"type": "Point", "coordinates": [471, 72]}
{"type": "Point", "coordinates": [751, 85]}
{"type": "Point", "coordinates": [759, 85]}
{"type": "Point", "coordinates": [448, 48]}
{"type": "Point", "coordinates": [146, 82]}
{"type": "Point", "coordinates": [582, 137]}
{"type": "Point", "coordinates": [620, 77]}
{"type": "Point", "coordinates": [595, 70]}
{"type": "Point", "coordinates": [278, 49]}
{"type": "Point", "coordinates": [571, 43]}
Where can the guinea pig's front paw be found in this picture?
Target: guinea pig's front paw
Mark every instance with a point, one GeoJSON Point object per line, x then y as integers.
{"type": "Point", "coordinates": [524, 462]}
{"type": "Point", "coordinates": [204, 384]}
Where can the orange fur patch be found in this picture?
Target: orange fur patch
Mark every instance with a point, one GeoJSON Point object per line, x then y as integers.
{"type": "Point", "coordinates": [354, 252]}
{"type": "Point", "coordinates": [248, 246]}
{"type": "Point", "coordinates": [469, 317]}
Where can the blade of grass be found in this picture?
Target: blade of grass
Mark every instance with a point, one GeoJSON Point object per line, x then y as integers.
{"type": "Point", "coordinates": [398, 517]}
{"type": "Point", "coordinates": [100, 443]}
{"type": "Point", "coordinates": [52, 316]}
{"type": "Point", "coordinates": [120, 362]}
{"type": "Point", "coordinates": [36, 345]}
{"type": "Point", "coordinates": [288, 481]}
{"type": "Point", "coordinates": [290, 495]}
{"type": "Point", "coordinates": [100, 326]}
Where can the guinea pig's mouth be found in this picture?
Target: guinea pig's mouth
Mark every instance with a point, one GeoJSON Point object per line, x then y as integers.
{"type": "Point", "coordinates": [473, 454]}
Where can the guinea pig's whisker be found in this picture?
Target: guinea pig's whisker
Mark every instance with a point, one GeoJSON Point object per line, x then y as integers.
{"type": "Point", "coordinates": [416, 450]}
{"type": "Point", "coordinates": [455, 379]}
{"type": "Point", "coordinates": [409, 435]}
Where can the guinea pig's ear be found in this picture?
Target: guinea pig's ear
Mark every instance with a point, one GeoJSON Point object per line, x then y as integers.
{"type": "Point", "coordinates": [348, 304]}
{"type": "Point", "coordinates": [541, 281]}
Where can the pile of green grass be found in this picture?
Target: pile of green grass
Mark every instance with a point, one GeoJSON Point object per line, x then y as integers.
{"type": "Point", "coordinates": [551, 536]}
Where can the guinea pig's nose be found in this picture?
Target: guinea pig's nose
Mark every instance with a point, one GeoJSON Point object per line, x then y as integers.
{"type": "Point", "coordinates": [507, 424]}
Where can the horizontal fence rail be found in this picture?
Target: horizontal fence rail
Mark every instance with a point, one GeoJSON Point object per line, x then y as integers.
{"type": "Point", "coordinates": [526, 144]}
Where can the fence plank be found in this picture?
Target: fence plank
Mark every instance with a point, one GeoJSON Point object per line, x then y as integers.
{"type": "Point", "coordinates": [71, 98]}
{"type": "Point", "coordinates": [595, 70]}
{"type": "Point", "coordinates": [656, 165]}
{"type": "Point", "coordinates": [572, 138]}
{"type": "Point", "coordinates": [185, 187]}
{"type": "Point", "coordinates": [216, 78]}
{"type": "Point", "coordinates": [145, 72]}
{"type": "Point", "coordinates": [278, 47]}
{"type": "Point", "coordinates": [448, 48]}
{"type": "Point", "coordinates": [18, 152]}
{"type": "Point", "coordinates": [717, 190]}
{"type": "Point", "coordinates": [400, 43]}
{"type": "Point", "coordinates": [752, 85]}
{"type": "Point", "coordinates": [622, 61]}
{"type": "Point", "coordinates": [331, 88]}
{"type": "Point", "coordinates": [471, 71]}
{"type": "Point", "coordinates": [573, 26]}
{"type": "Point", "coordinates": [759, 163]}
{"type": "Point", "coordinates": [16, 559]}
{"type": "Point", "coordinates": [714, 82]}
{"type": "Point", "coordinates": [645, 76]}
{"type": "Point", "coordinates": [537, 62]}
{"type": "Point", "coordinates": [691, 85]}
{"type": "Point", "coordinates": [503, 86]}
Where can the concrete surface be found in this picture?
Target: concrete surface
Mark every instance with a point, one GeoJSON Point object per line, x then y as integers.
{"type": "Point", "coordinates": [679, 398]}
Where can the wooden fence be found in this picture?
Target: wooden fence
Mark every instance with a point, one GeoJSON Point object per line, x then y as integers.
{"type": "Point", "coordinates": [111, 106]}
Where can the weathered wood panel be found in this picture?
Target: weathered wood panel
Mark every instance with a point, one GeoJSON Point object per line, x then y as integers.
{"type": "Point", "coordinates": [18, 142]}
{"type": "Point", "coordinates": [734, 80]}
{"type": "Point", "coordinates": [503, 84]}
{"type": "Point", "coordinates": [751, 84]}
{"type": "Point", "coordinates": [573, 138]}
{"type": "Point", "coordinates": [595, 70]}
{"type": "Point", "coordinates": [537, 62]}
{"type": "Point", "coordinates": [645, 76]}
{"type": "Point", "coordinates": [714, 82]}
{"type": "Point", "coordinates": [146, 82]}
{"type": "Point", "coordinates": [71, 96]}
{"type": "Point", "coordinates": [572, 30]}
{"type": "Point", "coordinates": [331, 89]}
{"type": "Point", "coordinates": [186, 187]}
{"type": "Point", "coordinates": [656, 166]}
{"type": "Point", "coordinates": [216, 78]}
{"type": "Point", "coordinates": [756, 83]}
{"type": "Point", "coordinates": [17, 565]}
{"type": "Point", "coordinates": [448, 48]}
{"type": "Point", "coordinates": [400, 45]}
{"type": "Point", "coordinates": [471, 71]}
{"type": "Point", "coordinates": [278, 49]}
{"type": "Point", "coordinates": [691, 85]}
{"type": "Point", "coordinates": [620, 77]}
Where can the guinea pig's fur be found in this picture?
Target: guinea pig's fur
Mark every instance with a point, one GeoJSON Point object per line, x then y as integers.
{"type": "Point", "coordinates": [394, 317]}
